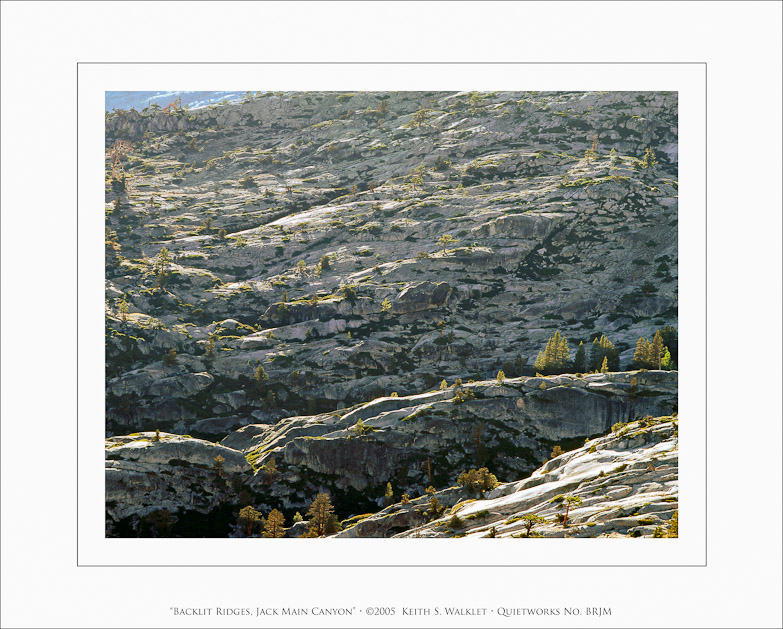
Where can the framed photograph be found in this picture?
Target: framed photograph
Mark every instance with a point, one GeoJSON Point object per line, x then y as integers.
{"type": "Point", "coordinates": [391, 314]}
{"type": "Point", "coordinates": [395, 314]}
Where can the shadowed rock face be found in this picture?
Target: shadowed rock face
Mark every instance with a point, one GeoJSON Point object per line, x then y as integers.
{"type": "Point", "coordinates": [412, 442]}
{"type": "Point", "coordinates": [390, 440]}
{"type": "Point", "coordinates": [421, 296]}
{"type": "Point", "coordinates": [145, 474]}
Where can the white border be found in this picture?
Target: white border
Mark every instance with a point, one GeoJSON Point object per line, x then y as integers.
{"type": "Point", "coordinates": [687, 80]}
{"type": "Point", "coordinates": [41, 43]}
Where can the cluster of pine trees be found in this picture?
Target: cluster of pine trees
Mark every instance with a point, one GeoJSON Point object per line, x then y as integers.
{"type": "Point", "coordinates": [556, 357]}
{"type": "Point", "coordinates": [250, 519]}
{"type": "Point", "coordinates": [322, 520]}
{"type": "Point", "coordinates": [601, 355]}
{"type": "Point", "coordinates": [652, 354]}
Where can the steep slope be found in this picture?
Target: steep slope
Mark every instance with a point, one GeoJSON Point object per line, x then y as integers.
{"type": "Point", "coordinates": [626, 482]}
{"type": "Point", "coordinates": [303, 235]}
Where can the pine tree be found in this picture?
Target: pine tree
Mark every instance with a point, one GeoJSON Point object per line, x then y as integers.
{"type": "Point", "coordinates": [556, 357]}
{"type": "Point", "coordinates": [436, 508]}
{"type": "Point", "coordinates": [170, 358]}
{"type": "Point", "coordinates": [480, 480]}
{"type": "Point", "coordinates": [612, 355]}
{"type": "Point", "coordinates": [603, 348]}
{"type": "Point", "coordinates": [580, 360]}
{"type": "Point", "coordinates": [446, 239]}
{"type": "Point", "coordinates": [570, 501]}
{"type": "Point", "coordinates": [669, 336]}
{"type": "Point", "coordinates": [248, 517]}
{"type": "Point", "coordinates": [416, 177]}
{"type": "Point", "coordinates": [540, 365]}
{"type": "Point", "coordinates": [667, 362]}
{"type": "Point", "coordinates": [259, 375]}
{"type": "Point", "coordinates": [209, 348]}
{"type": "Point", "coordinates": [605, 365]}
{"type": "Point", "coordinates": [388, 495]}
{"type": "Point", "coordinates": [419, 117]}
{"type": "Point", "coordinates": [274, 524]}
{"type": "Point", "coordinates": [270, 469]}
{"type": "Point", "coordinates": [162, 261]}
{"type": "Point", "coordinates": [332, 525]}
{"type": "Point", "coordinates": [563, 354]}
{"type": "Point", "coordinates": [122, 306]}
{"type": "Point", "coordinates": [550, 352]}
{"type": "Point", "coordinates": [440, 325]}
{"type": "Point", "coordinates": [649, 160]}
{"type": "Point", "coordinates": [642, 357]}
{"type": "Point", "coordinates": [657, 350]}
{"type": "Point", "coordinates": [318, 515]}
{"type": "Point", "coordinates": [595, 355]}
{"type": "Point", "coordinates": [529, 520]}
{"type": "Point", "coordinates": [219, 460]}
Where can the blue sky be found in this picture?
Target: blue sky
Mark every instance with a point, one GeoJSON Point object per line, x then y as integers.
{"type": "Point", "coordinates": [139, 100]}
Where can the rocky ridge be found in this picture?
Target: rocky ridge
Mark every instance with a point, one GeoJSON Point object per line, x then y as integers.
{"type": "Point", "coordinates": [627, 482]}
{"type": "Point", "coordinates": [411, 442]}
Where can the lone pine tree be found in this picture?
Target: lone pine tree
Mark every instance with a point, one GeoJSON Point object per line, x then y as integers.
{"type": "Point", "coordinates": [529, 520]}
{"type": "Point", "coordinates": [649, 160]}
{"type": "Point", "coordinates": [581, 362]}
{"type": "Point", "coordinates": [318, 515]}
{"type": "Point", "coordinates": [274, 524]}
{"type": "Point", "coordinates": [248, 518]}
{"type": "Point", "coordinates": [446, 239]}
